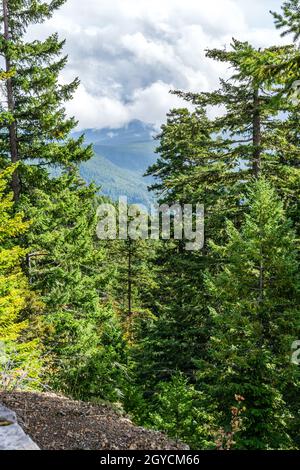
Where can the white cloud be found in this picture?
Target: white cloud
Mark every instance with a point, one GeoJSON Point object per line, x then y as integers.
{"type": "Point", "coordinates": [129, 53]}
{"type": "Point", "coordinates": [97, 111]}
{"type": "Point", "coordinates": [149, 105]}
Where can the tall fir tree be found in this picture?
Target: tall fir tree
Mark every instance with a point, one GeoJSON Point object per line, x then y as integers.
{"type": "Point", "coordinates": [289, 18]}
{"type": "Point", "coordinates": [193, 167]}
{"type": "Point", "coordinates": [254, 309]}
{"type": "Point", "coordinates": [20, 352]}
{"type": "Point", "coordinates": [37, 134]}
{"type": "Point", "coordinates": [212, 161]}
{"type": "Point", "coordinates": [68, 267]}
{"type": "Point", "coordinates": [64, 263]}
{"type": "Point", "coordinates": [252, 114]}
{"type": "Point", "coordinates": [197, 161]}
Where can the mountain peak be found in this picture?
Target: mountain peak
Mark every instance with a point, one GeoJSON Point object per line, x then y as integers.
{"type": "Point", "coordinates": [122, 156]}
{"type": "Point", "coordinates": [134, 131]}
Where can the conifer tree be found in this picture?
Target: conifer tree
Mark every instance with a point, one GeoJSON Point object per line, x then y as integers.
{"type": "Point", "coordinates": [252, 114]}
{"type": "Point", "coordinates": [258, 133]}
{"type": "Point", "coordinates": [67, 266]}
{"type": "Point", "coordinates": [181, 411]}
{"type": "Point", "coordinates": [212, 161]}
{"type": "Point", "coordinates": [20, 363]}
{"type": "Point", "coordinates": [189, 170]}
{"type": "Point", "coordinates": [254, 309]}
{"type": "Point", "coordinates": [177, 333]}
{"type": "Point", "coordinates": [64, 260]}
{"type": "Point", "coordinates": [195, 165]}
{"type": "Point", "coordinates": [289, 18]}
{"type": "Point", "coordinates": [37, 134]}
{"type": "Point", "coordinates": [131, 262]}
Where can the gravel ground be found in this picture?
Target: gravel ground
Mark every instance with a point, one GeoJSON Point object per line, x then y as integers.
{"type": "Point", "coordinates": [55, 422]}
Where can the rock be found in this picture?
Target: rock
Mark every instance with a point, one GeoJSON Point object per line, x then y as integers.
{"type": "Point", "coordinates": [12, 436]}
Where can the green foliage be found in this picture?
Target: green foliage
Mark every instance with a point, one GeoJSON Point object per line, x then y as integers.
{"type": "Point", "coordinates": [213, 161]}
{"type": "Point", "coordinates": [20, 362]}
{"type": "Point", "coordinates": [42, 128]}
{"type": "Point", "coordinates": [181, 411]}
{"type": "Point", "coordinates": [177, 333]}
{"type": "Point", "coordinates": [289, 18]}
{"type": "Point", "coordinates": [185, 172]}
{"type": "Point", "coordinates": [254, 310]}
{"type": "Point", "coordinates": [67, 268]}
{"type": "Point", "coordinates": [194, 343]}
{"type": "Point", "coordinates": [64, 258]}
{"type": "Point", "coordinates": [90, 357]}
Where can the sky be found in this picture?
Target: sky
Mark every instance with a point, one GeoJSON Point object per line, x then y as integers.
{"type": "Point", "coordinates": [128, 54]}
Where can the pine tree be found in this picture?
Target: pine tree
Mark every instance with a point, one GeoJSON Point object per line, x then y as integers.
{"type": "Point", "coordinates": [64, 259]}
{"type": "Point", "coordinates": [254, 309]}
{"type": "Point", "coordinates": [130, 257]}
{"type": "Point", "coordinates": [67, 266]}
{"type": "Point", "coordinates": [289, 19]}
{"type": "Point", "coordinates": [195, 165]}
{"type": "Point", "coordinates": [20, 363]}
{"type": "Point", "coordinates": [181, 412]}
{"type": "Point", "coordinates": [252, 114]}
{"type": "Point", "coordinates": [37, 132]}
{"type": "Point", "coordinates": [212, 161]}
{"type": "Point", "coordinates": [178, 334]}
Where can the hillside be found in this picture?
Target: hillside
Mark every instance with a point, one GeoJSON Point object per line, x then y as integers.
{"type": "Point", "coordinates": [115, 181]}
{"type": "Point", "coordinates": [121, 158]}
{"type": "Point", "coordinates": [55, 422]}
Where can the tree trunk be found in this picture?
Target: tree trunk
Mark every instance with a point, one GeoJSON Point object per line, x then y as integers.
{"type": "Point", "coordinates": [12, 128]}
{"type": "Point", "coordinates": [129, 279]}
{"type": "Point", "coordinates": [256, 166]}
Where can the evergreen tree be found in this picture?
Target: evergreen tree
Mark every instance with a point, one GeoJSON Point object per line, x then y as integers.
{"type": "Point", "coordinates": [289, 18]}
{"type": "Point", "coordinates": [20, 363]}
{"type": "Point", "coordinates": [131, 257]}
{"type": "Point", "coordinates": [133, 281]}
{"type": "Point", "coordinates": [36, 134]}
{"type": "Point", "coordinates": [67, 267]}
{"type": "Point", "coordinates": [181, 412]}
{"type": "Point", "coordinates": [177, 335]}
{"type": "Point", "coordinates": [252, 114]}
{"type": "Point", "coordinates": [212, 161]}
{"type": "Point", "coordinates": [64, 260]}
{"type": "Point", "coordinates": [254, 310]}
{"type": "Point", "coordinates": [177, 332]}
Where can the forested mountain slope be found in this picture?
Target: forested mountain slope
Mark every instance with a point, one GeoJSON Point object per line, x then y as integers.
{"type": "Point", "coordinates": [121, 157]}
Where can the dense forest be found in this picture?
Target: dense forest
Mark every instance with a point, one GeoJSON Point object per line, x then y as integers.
{"type": "Point", "coordinates": [198, 344]}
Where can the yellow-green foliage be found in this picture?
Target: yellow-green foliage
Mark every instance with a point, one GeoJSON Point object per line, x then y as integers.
{"type": "Point", "coordinates": [19, 353]}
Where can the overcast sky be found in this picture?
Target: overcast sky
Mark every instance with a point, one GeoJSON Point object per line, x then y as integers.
{"type": "Point", "coordinates": [129, 53]}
